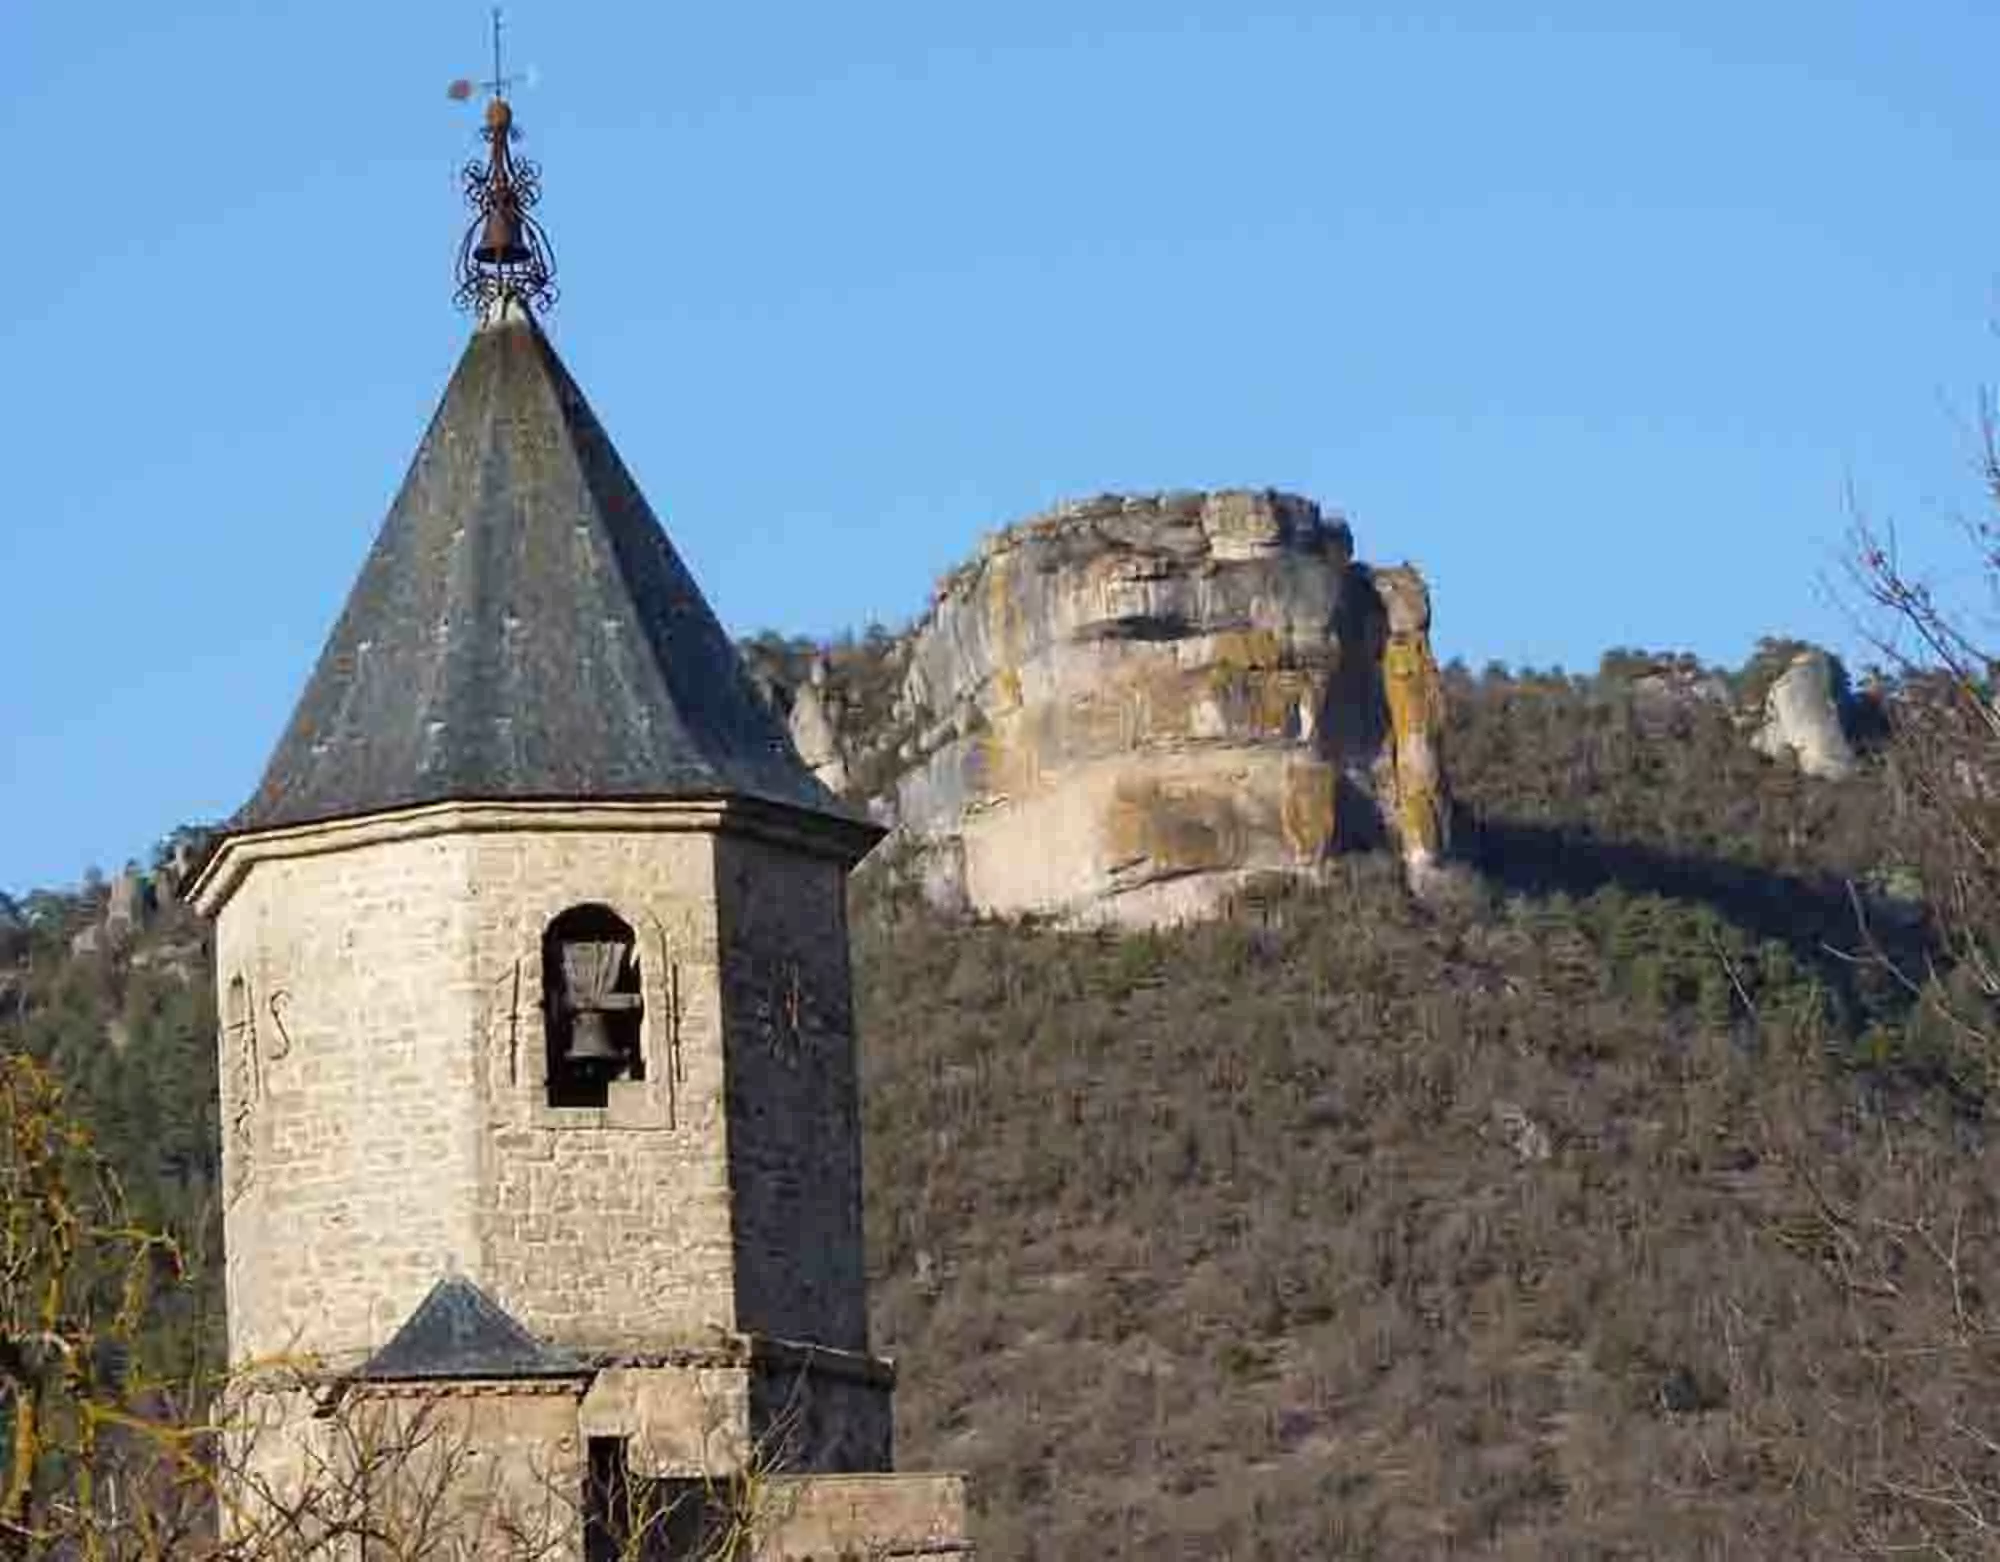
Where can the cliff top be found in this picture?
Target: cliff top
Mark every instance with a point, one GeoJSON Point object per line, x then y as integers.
{"type": "Point", "coordinates": [1218, 525]}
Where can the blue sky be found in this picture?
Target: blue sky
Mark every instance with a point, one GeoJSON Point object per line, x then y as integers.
{"type": "Point", "coordinates": [1594, 311]}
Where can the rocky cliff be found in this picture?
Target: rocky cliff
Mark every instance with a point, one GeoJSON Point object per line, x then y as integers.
{"type": "Point", "coordinates": [1805, 715]}
{"type": "Point", "coordinates": [1124, 709]}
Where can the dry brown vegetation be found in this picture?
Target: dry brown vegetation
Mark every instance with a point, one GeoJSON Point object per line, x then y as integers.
{"type": "Point", "coordinates": [1637, 1201]}
{"type": "Point", "coordinates": [1631, 1206]}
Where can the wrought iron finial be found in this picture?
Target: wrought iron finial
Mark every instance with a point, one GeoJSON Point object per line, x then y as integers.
{"type": "Point", "coordinates": [505, 253]}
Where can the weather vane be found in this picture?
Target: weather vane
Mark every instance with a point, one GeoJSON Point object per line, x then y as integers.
{"type": "Point", "coordinates": [505, 252]}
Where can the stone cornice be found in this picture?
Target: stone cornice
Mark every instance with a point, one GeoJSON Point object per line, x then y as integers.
{"type": "Point", "coordinates": [334, 1394]}
{"type": "Point", "coordinates": [762, 1350]}
{"type": "Point", "coordinates": [330, 1384]}
{"type": "Point", "coordinates": [824, 835]}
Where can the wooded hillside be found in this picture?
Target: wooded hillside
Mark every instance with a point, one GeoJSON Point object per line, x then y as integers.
{"type": "Point", "coordinates": [1633, 1200]}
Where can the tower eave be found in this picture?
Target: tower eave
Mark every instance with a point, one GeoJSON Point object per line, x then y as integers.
{"type": "Point", "coordinates": [844, 838]}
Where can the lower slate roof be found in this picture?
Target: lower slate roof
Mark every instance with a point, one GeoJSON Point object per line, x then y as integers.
{"type": "Point", "coordinates": [523, 630]}
{"type": "Point", "coordinates": [458, 1331]}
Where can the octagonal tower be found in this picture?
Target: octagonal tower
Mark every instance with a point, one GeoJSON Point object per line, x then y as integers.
{"type": "Point", "coordinates": [539, 1093]}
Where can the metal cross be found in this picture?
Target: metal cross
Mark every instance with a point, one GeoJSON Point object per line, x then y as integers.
{"type": "Point", "coordinates": [500, 82]}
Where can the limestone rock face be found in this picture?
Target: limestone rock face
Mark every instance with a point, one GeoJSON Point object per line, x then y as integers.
{"type": "Point", "coordinates": [1802, 717]}
{"type": "Point", "coordinates": [1414, 694]}
{"type": "Point", "coordinates": [1125, 708]}
{"type": "Point", "coordinates": [129, 904]}
{"type": "Point", "coordinates": [814, 733]}
{"type": "Point", "coordinates": [1673, 688]}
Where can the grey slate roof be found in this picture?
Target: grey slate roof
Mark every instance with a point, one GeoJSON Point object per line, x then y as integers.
{"type": "Point", "coordinates": [458, 1331]}
{"type": "Point", "coordinates": [523, 629]}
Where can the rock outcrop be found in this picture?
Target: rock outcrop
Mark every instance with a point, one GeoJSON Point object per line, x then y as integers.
{"type": "Point", "coordinates": [128, 906]}
{"type": "Point", "coordinates": [814, 733]}
{"type": "Point", "coordinates": [1415, 698]}
{"type": "Point", "coordinates": [1804, 717]}
{"type": "Point", "coordinates": [1679, 688]}
{"type": "Point", "coordinates": [1127, 708]}
{"type": "Point", "coordinates": [140, 917]}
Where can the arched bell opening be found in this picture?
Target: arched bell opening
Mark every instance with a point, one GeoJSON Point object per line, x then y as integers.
{"type": "Point", "coordinates": [592, 1008]}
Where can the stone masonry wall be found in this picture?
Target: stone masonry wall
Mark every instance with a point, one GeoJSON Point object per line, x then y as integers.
{"type": "Point", "coordinates": [384, 1096]}
{"type": "Point", "coordinates": [678, 1422]}
{"type": "Point", "coordinates": [349, 1104]}
{"type": "Point", "coordinates": [490, 1472]}
{"type": "Point", "coordinates": [794, 1102]}
{"type": "Point", "coordinates": [386, 1122]}
{"type": "Point", "coordinates": [483, 1472]}
{"type": "Point", "coordinates": [604, 1229]}
{"type": "Point", "coordinates": [909, 1517]}
{"type": "Point", "coordinates": [686, 1421]}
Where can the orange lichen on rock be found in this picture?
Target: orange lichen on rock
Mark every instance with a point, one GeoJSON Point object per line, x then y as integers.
{"type": "Point", "coordinates": [1173, 829]}
{"type": "Point", "coordinates": [1307, 810]}
{"type": "Point", "coordinates": [1414, 694]}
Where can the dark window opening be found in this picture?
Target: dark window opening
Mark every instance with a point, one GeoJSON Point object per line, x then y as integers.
{"type": "Point", "coordinates": [590, 986]}
{"type": "Point", "coordinates": [607, 1501]}
{"type": "Point", "coordinates": [629, 1518]}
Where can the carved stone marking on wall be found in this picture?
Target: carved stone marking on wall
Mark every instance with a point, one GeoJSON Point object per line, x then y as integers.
{"type": "Point", "coordinates": [278, 1003]}
{"type": "Point", "coordinates": [506, 1017]}
{"type": "Point", "coordinates": [778, 1007]}
{"type": "Point", "coordinates": [670, 1023]}
{"type": "Point", "coordinates": [239, 1057]}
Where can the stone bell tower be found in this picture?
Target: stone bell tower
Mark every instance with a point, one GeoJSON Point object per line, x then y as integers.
{"type": "Point", "coordinates": [539, 1092]}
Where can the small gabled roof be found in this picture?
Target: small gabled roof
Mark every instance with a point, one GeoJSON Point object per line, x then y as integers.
{"type": "Point", "coordinates": [458, 1331]}
{"type": "Point", "coordinates": [523, 629]}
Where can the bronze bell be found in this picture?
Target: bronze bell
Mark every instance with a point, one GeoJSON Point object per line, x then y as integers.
{"type": "Point", "coordinates": [500, 242]}
{"type": "Point", "coordinates": [591, 968]}
{"type": "Point", "coordinates": [590, 1041]}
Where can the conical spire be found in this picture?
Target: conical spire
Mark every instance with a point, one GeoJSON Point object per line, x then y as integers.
{"type": "Point", "coordinates": [523, 629]}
